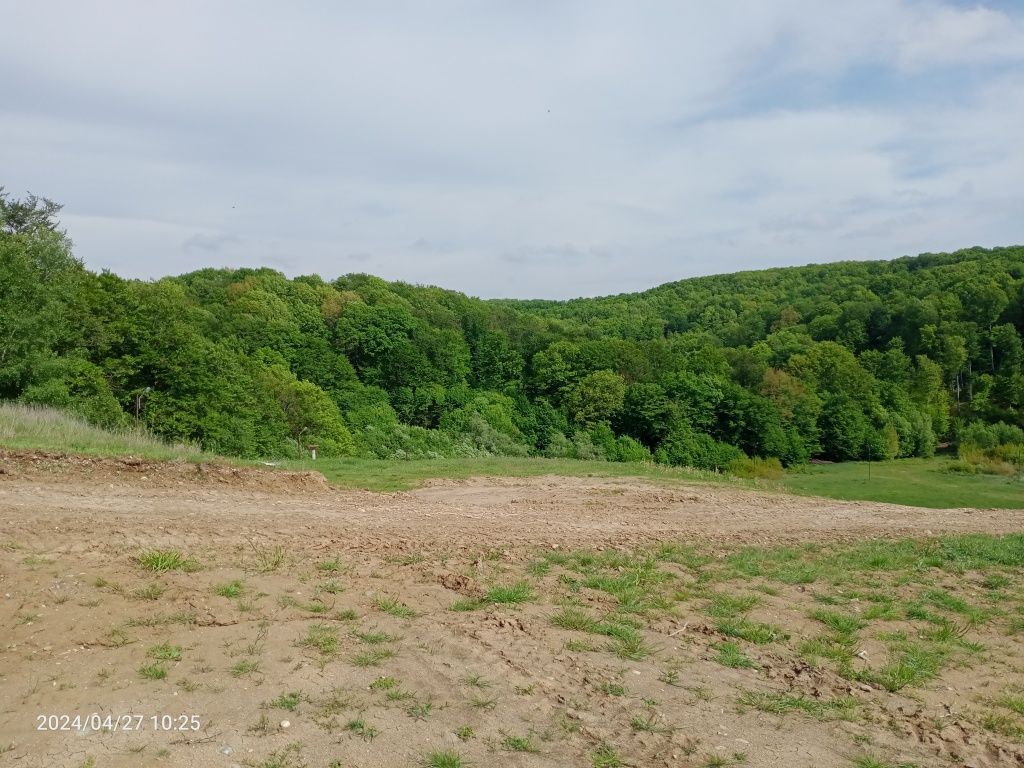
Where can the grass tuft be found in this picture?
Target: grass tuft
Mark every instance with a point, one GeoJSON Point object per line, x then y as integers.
{"type": "Point", "coordinates": [163, 560]}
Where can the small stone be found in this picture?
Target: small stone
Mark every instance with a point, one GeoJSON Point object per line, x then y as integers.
{"type": "Point", "coordinates": [227, 750]}
{"type": "Point", "coordinates": [285, 724]}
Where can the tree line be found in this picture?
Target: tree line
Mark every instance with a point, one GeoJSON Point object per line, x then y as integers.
{"type": "Point", "coordinates": [841, 361]}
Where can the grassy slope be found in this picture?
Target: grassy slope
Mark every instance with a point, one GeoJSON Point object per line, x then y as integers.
{"type": "Point", "coordinates": [47, 429]}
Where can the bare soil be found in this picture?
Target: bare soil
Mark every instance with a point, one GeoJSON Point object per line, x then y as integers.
{"type": "Point", "coordinates": [79, 614]}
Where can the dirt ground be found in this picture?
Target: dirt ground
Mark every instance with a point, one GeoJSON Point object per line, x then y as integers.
{"type": "Point", "coordinates": [324, 577]}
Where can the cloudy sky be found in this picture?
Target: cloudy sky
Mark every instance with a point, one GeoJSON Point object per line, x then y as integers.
{"type": "Point", "coordinates": [519, 148]}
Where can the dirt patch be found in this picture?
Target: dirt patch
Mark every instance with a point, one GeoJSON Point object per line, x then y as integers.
{"type": "Point", "coordinates": [332, 611]}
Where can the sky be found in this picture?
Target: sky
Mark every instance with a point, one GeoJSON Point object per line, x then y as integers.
{"type": "Point", "coordinates": [516, 149]}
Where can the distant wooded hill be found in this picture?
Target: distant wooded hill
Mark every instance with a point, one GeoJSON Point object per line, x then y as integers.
{"type": "Point", "coordinates": [842, 361]}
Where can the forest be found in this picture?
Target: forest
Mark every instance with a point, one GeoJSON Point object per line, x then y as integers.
{"type": "Point", "coordinates": [836, 361]}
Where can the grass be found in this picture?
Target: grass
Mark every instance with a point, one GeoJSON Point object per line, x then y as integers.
{"type": "Point", "coordinates": [605, 756]}
{"type": "Point", "coordinates": [231, 589]}
{"type": "Point", "coordinates": [394, 607]}
{"type": "Point", "coordinates": [27, 427]}
{"type": "Point", "coordinates": [152, 591]}
{"type": "Point", "coordinates": [839, 623]}
{"type": "Point", "coordinates": [446, 758]}
{"type": "Point", "coordinates": [403, 475]}
{"type": "Point", "coordinates": [372, 657]}
{"type": "Point", "coordinates": [153, 672]}
{"type": "Point", "coordinates": [374, 638]}
{"type": "Point", "coordinates": [916, 482]}
{"type": "Point", "coordinates": [913, 664]}
{"type": "Point", "coordinates": [322, 638]}
{"type": "Point", "coordinates": [288, 701]}
{"type": "Point", "coordinates": [751, 631]}
{"type": "Point", "coordinates": [163, 560]}
{"type": "Point", "coordinates": [520, 592]}
{"type": "Point", "coordinates": [519, 744]}
{"type": "Point", "coordinates": [165, 652]}
{"type": "Point", "coordinates": [359, 727]}
{"type": "Point", "coordinates": [730, 606]}
{"type": "Point", "coordinates": [730, 655]}
{"type": "Point", "coordinates": [842, 708]}
{"type": "Point", "coordinates": [244, 668]}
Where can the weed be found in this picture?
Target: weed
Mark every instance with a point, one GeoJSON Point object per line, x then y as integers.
{"type": "Point", "coordinates": [153, 672]}
{"type": "Point", "coordinates": [372, 657]}
{"type": "Point", "coordinates": [162, 560]}
{"type": "Point", "coordinates": [359, 727]}
{"type": "Point", "coordinates": [245, 667]}
{"type": "Point", "coordinates": [420, 711]}
{"type": "Point", "coordinates": [288, 701]}
{"type": "Point", "coordinates": [648, 724]}
{"type": "Point", "coordinates": [575, 619]}
{"type": "Point", "coordinates": [151, 592]}
{"type": "Point", "coordinates": [288, 757]}
{"type": "Point", "coordinates": [915, 664]}
{"type": "Point", "coordinates": [751, 631]}
{"type": "Point", "coordinates": [447, 758]}
{"type": "Point", "coordinates": [384, 684]}
{"type": "Point", "coordinates": [464, 733]}
{"type": "Point", "coordinates": [612, 689]}
{"type": "Point", "coordinates": [268, 560]}
{"type": "Point", "coordinates": [841, 708]}
{"type": "Point", "coordinates": [838, 622]}
{"type": "Point", "coordinates": [165, 652]}
{"type": "Point", "coordinates": [464, 604]}
{"type": "Point", "coordinates": [230, 589]}
{"type": "Point", "coordinates": [605, 756]}
{"type": "Point", "coordinates": [519, 744]}
{"type": "Point", "coordinates": [484, 704]}
{"type": "Point", "coordinates": [730, 606]}
{"type": "Point", "coordinates": [331, 588]}
{"type": "Point", "coordinates": [322, 638]}
{"type": "Point", "coordinates": [631, 647]}
{"type": "Point", "coordinates": [394, 608]}
{"type": "Point", "coordinates": [374, 638]}
{"type": "Point", "coordinates": [730, 655]}
{"type": "Point", "coordinates": [579, 646]}
{"type": "Point", "coordinates": [520, 592]}
{"type": "Point", "coordinates": [116, 638]}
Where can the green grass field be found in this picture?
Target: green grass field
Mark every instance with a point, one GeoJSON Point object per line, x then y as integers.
{"type": "Point", "coordinates": [403, 475]}
{"type": "Point", "coordinates": [915, 482]}
{"type": "Point", "coordinates": [918, 482]}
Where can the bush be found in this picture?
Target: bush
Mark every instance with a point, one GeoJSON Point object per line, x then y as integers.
{"type": "Point", "coordinates": [685, 447]}
{"type": "Point", "coordinates": [628, 449]}
{"type": "Point", "coordinates": [998, 460]}
{"type": "Point", "coordinates": [756, 467]}
{"type": "Point", "coordinates": [77, 386]}
{"type": "Point", "coordinates": [987, 436]}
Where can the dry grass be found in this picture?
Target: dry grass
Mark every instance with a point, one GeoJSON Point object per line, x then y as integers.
{"type": "Point", "coordinates": [28, 427]}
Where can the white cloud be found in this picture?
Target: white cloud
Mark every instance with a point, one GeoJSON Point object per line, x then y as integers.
{"type": "Point", "coordinates": [526, 149]}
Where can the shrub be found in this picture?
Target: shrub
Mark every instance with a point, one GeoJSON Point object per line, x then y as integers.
{"type": "Point", "coordinates": [756, 467]}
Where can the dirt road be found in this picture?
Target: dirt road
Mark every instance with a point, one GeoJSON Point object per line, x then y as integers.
{"type": "Point", "coordinates": [340, 624]}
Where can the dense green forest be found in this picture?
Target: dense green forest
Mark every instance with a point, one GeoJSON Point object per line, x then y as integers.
{"type": "Point", "coordinates": [840, 361]}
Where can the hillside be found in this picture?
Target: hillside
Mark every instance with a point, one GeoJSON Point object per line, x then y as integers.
{"type": "Point", "coordinates": [838, 361]}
